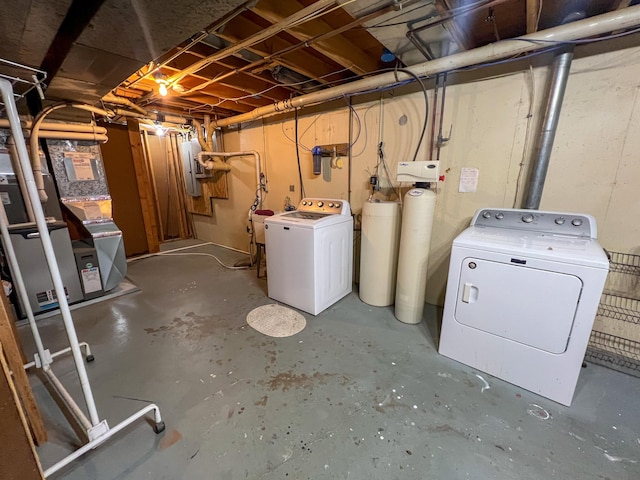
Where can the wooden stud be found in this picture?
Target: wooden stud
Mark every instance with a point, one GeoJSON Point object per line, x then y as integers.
{"type": "Point", "coordinates": [147, 154]}
{"type": "Point", "coordinates": [18, 457]}
{"type": "Point", "coordinates": [15, 359]}
{"type": "Point", "coordinates": [533, 15]}
{"type": "Point", "coordinates": [144, 185]}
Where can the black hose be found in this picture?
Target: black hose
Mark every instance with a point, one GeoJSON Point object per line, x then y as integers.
{"type": "Point", "coordinates": [426, 106]}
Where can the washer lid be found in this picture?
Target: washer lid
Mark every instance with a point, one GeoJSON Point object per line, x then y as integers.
{"type": "Point", "coordinates": [303, 219]}
{"type": "Point", "coordinates": [546, 246]}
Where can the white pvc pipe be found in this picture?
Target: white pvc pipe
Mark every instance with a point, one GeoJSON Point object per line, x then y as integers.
{"type": "Point", "coordinates": [18, 280]}
{"type": "Point", "coordinates": [64, 127]}
{"type": "Point", "coordinates": [36, 166]}
{"type": "Point", "coordinates": [92, 137]}
{"type": "Point", "coordinates": [85, 345]}
{"type": "Point", "coordinates": [23, 155]}
{"type": "Point", "coordinates": [101, 439]}
{"type": "Point", "coordinates": [253, 153]}
{"type": "Point", "coordinates": [619, 19]}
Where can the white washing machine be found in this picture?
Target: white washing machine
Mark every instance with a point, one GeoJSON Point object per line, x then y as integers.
{"type": "Point", "coordinates": [310, 254]}
{"type": "Point", "coordinates": [522, 295]}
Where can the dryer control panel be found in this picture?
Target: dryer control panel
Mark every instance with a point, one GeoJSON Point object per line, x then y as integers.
{"type": "Point", "coordinates": [574, 224]}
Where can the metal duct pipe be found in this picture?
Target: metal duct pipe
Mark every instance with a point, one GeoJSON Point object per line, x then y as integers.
{"type": "Point", "coordinates": [544, 146]}
{"type": "Point", "coordinates": [607, 22]}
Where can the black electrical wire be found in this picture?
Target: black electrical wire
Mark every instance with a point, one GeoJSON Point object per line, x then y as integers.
{"type": "Point", "coordinates": [426, 108]}
{"type": "Point", "coordinates": [298, 156]}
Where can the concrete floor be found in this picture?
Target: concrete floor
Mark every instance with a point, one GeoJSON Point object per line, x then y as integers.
{"type": "Point", "coordinates": [355, 395]}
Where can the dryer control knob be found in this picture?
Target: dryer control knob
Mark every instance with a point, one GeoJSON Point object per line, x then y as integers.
{"type": "Point", "coordinates": [499, 215]}
{"type": "Point", "coordinates": [560, 221]}
{"type": "Point", "coordinates": [320, 204]}
{"type": "Point", "coordinates": [331, 204]}
{"type": "Point", "coordinates": [486, 214]}
{"type": "Point", "coordinates": [527, 218]}
{"type": "Point", "coordinates": [576, 222]}
{"type": "Point", "coordinates": [310, 203]}
{"type": "Point", "coordinates": [304, 203]}
{"type": "Point", "coordinates": [337, 205]}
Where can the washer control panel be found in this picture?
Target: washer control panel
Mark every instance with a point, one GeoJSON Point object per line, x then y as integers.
{"type": "Point", "coordinates": [575, 224]}
{"type": "Point", "coordinates": [324, 205]}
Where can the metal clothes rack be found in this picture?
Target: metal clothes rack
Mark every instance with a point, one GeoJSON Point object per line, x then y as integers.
{"type": "Point", "coordinates": [98, 431]}
{"type": "Point", "coordinates": [615, 339]}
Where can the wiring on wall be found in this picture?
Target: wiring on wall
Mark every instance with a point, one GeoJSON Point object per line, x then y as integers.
{"type": "Point", "coordinates": [525, 150]}
{"type": "Point", "coordinates": [302, 192]}
{"type": "Point", "coordinates": [426, 108]}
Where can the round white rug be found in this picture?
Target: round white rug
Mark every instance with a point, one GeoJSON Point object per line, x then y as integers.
{"type": "Point", "coordinates": [276, 321]}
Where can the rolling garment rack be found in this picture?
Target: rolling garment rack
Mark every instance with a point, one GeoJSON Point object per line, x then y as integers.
{"type": "Point", "coordinates": [98, 431]}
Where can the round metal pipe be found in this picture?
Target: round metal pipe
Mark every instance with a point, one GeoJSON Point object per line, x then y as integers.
{"type": "Point", "coordinates": [607, 22]}
{"type": "Point", "coordinates": [559, 78]}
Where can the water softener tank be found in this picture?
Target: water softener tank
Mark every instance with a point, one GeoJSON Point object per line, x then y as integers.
{"type": "Point", "coordinates": [380, 240]}
{"type": "Point", "coordinates": [415, 241]}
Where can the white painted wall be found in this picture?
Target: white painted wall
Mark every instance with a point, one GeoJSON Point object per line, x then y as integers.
{"type": "Point", "coordinates": [595, 166]}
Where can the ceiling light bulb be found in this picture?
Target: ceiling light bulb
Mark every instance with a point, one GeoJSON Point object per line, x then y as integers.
{"type": "Point", "coordinates": [163, 89]}
{"type": "Point", "coordinates": [159, 131]}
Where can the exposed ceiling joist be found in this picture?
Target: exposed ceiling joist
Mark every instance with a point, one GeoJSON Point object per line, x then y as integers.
{"type": "Point", "coordinates": [337, 48]}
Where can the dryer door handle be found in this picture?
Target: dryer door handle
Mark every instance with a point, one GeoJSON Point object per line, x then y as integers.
{"type": "Point", "coordinates": [469, 293]}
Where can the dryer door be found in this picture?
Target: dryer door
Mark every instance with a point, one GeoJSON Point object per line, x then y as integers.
{"type": "Point", "coordinates": [530, 306]}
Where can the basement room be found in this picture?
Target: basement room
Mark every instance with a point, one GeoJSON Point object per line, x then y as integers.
{"type": "Point", "coordinates": [320, 239]}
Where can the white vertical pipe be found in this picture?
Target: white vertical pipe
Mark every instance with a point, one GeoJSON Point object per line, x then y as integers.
{"type": "Point", "coordinates": [19, 281]}
{"type": "Point", "coordinates": [23, 155]}
{"type": "Point", "coordinates": [253, 153]}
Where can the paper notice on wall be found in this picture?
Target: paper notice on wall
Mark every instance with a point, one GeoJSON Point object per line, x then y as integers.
{"type": "Point", "coordinates": [468, 180]}
{"type": "Point", "coordinates": [82, 165]}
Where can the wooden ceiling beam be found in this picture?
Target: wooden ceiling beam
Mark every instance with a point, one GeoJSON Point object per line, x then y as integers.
{"type": "Point", "coordinates": [213, 97]}
{"type": "Point", "coordinates": [533, 9]}
{"type": "Point", "coordinates": [300, 61]}
{"type": "Point", "coordinates": [337, 48]}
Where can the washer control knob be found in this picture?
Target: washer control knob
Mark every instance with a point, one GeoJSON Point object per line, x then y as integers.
{"type": "Point", "coordinates": [310, 203]}
{"type": "Point", "coordinates": [499, 215]}
{"type": "Point", "coordinates": [337, 205]}
{"type": "Point", "coordinates": [330, 204]}
{"type": "Point", "coordinates": [527, 218]}
{"type": "Point", "coordinates": [486, 214]}
{"type": "Point", "coordinates": [320, 204]}
{"type": "Point", "coordinates": [576, 222]}
{"type": "Point", "coordinates": [560, 221]}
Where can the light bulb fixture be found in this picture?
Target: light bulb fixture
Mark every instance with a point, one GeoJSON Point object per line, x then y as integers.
{"type": "Point", "coordinates": [159, 130]}
{"type": "Point", "coordinates": [162, 90]}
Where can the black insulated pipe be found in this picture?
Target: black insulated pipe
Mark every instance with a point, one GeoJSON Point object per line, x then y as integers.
{"type": "Point", "coordinates": [544, 146]}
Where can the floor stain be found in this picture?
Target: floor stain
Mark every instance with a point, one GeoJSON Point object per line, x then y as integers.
{"type": "Point", "coordinates": [287, 380]}
{"type": "Point", "coordinates": [262, 402]}
{"type": "Point", "coordinates": [171, 437]}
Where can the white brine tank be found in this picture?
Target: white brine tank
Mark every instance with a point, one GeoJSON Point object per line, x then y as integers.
{"type": "Point", "coordinates": [380, 241]}
{"type": "Point", "coordinates": [415, 241]}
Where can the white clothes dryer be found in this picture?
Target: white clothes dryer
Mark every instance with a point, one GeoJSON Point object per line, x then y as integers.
{"type": "Point", "coordinates": [522, 295]}
{"type": "Point", "coordinates": [310, 254]}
